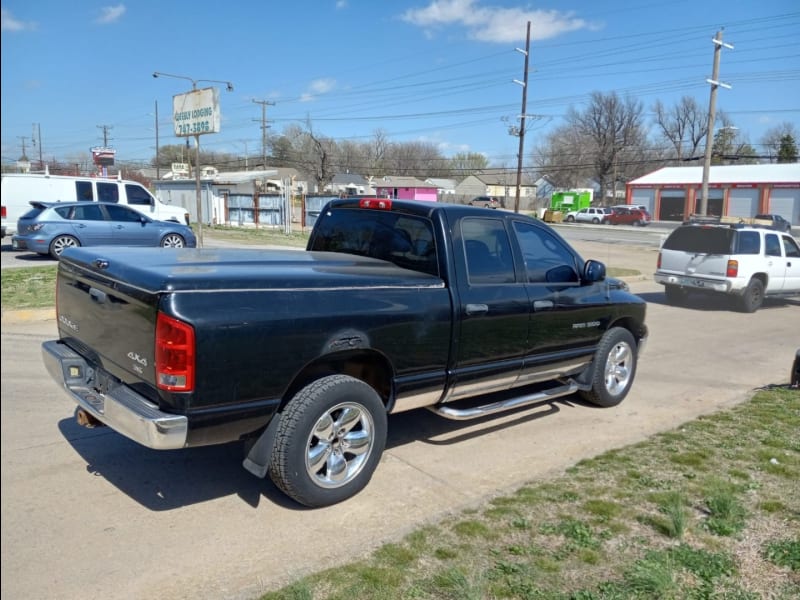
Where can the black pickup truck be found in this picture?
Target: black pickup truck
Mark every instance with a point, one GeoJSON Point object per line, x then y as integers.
{"type": "Point", "coordinates": [302, 355]}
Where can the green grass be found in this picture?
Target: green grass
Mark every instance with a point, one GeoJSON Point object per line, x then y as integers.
{"type": "Point", "coordinates": [28, 287]}
{"type": "Point", "coordinates": [632, 523]}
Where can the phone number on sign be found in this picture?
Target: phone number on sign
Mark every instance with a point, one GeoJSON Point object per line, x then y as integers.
{"type": "Point", "coordinates": [196, 127]}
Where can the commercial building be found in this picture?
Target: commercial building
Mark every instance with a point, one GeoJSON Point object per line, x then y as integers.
{"type": "Point", "coordinates": [673, 193]}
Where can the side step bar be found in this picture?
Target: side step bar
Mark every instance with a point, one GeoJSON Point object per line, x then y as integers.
{"type": "Point", "coordinates": [463, 414]}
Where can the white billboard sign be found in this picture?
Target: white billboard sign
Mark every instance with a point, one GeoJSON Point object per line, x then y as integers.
{"type": "Point", "coordinates": [196, 112]}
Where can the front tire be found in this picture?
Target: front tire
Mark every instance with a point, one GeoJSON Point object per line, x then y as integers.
{"type": "Point", "coordinates": [753, 296]}
{"type": "Point", "coordinates": [329, 441]}
{"type": "Point", "coordinates": [173, 240]}
{"type": "Point", "coordinates": [613, 368]}
{"type": "Point", "coordinates": [570, 219]}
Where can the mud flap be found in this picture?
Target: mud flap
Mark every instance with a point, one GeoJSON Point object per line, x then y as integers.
{"type": "Point", "coordinates": [257, 459]}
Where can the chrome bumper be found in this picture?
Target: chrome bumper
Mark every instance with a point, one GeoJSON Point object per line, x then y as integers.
{"type": "Point", "coordinates": [120, 408]}
{"type": "Point", "coordinates": [693, 283]}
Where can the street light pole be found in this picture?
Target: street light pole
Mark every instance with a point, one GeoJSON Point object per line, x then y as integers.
{"type": "Point", "coordinates": [229, 87]}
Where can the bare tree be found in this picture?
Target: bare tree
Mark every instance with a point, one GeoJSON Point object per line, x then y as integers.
{"type": "Point", "coordinates": [467, 163]}
{"type": "Point", "coordinates": [610, 124]}
{"type": "Point", "coordinates": [684, 126]}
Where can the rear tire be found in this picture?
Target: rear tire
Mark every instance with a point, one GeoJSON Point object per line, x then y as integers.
{"type": "Point", "coordinates": [61, 243]}
{"type": "Point", "coordinates": [753, 296]}
{"type": "Point", "coordinates": [329, 441]}
{"type": "Point", "coordinates": [613, 368]}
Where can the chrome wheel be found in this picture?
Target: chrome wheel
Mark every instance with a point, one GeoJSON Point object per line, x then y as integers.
{"type": "Point", "coordinates": [172, 240]}
{"type": "Point", "coordinates": [339, 445]}
{"type": "Point", "coordinates": [61, 243]}
{"type": "Point", "coordinates": [618, 369]}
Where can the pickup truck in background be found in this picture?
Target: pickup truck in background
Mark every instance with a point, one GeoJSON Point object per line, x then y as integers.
{"type": "Point", "coordinates": [744, 262]}
{"type": "Point", "coordinates": [302, 355]}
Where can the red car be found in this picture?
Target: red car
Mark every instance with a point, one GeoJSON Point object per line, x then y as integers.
{"type": "Point", "coordinates": [628, 216]}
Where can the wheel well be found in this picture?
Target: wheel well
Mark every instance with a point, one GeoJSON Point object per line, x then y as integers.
{"type": "Point", "coordinates": [629, 324]}
{"type": "Point", "coordinates": [370, 367]}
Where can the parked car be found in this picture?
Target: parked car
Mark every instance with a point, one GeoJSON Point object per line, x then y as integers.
{"type": "Point", "coordinates": [628, 216]}
{"type": "Point", "coordinates": [50, 227]}
{"type": "Point", "coordinates": [485, 201]}
{"type": "Point", "coordinates": [593, 214]}
{"type": "Point", "coordinates": [778, 222]}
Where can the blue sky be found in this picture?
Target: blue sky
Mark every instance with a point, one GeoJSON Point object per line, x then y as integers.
{"type": "Point", "coordinates": [439, 71]}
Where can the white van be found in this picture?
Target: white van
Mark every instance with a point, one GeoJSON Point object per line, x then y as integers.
{"type": "Point", "coordinates": [18, 189]}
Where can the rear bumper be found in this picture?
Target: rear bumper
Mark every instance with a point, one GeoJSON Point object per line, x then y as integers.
{"type": "Point", "coordinates": [120, 408]}
{"type": "Point", "coordinates": [694, 283]}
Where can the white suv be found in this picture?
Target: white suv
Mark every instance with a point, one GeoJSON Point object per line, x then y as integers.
{"type": "Point", "coordinates": [588, 215]}
{"type": "Point", "coordinates": [746, 263]}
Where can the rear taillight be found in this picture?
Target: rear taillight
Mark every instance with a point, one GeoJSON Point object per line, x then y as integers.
{"type": "Point", "coordinates": [175, 355]}
{"type": "Point", "coordinates": [3, 211]}
{"type": "Point", "coordinates": [733, 268]}
{"type": "Point", "coordinates": [658, 262]}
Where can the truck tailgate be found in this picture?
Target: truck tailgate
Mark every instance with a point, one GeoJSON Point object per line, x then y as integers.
{"type": "Point", "coordinates": [111, 323]}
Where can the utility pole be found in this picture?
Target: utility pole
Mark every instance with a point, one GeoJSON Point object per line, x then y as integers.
{"type": "Point", "coordinates": [524, 84]}
{"type": "Point", "coordinates": [264, 127]}
{"type": "Point", "coordinates": [37, 132]}
{"type": "Point", "coordinates": [158, 162]}
{"type": "Point", "coordinates": [105, 129]}
{"type": "Point", "coordinates": [712, 109]}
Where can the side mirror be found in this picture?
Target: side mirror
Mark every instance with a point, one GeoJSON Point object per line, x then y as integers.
{"type": "Point", "coordinates": [594, 271]}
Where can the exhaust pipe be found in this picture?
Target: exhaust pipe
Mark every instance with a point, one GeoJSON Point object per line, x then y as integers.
{"type": "Point", "coordinates": [85, 419]}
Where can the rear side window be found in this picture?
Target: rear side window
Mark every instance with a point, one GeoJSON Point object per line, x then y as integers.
{"type": "Point", "coordinates": [107, 192]}
{"type": "Point", "coordinates": [749, 242]}
{"type": "Point", "coordinates": [701, 240]}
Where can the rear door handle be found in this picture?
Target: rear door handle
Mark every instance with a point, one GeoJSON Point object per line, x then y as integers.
{"type": "Point", "coordinates": [477, 309]}
{"type": "Point", "coordinates": [542, 304]}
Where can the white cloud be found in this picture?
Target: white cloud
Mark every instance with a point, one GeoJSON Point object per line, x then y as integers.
{"type": "Point", "coordinates": [110, 14]}
{"type": "Point", "coordinates": [494, 24]}
{"type": "Point", "coordinates": [9, 23]}
{"type": "Point", "coordinates": [317, 88]}
{"type": "Point", "coordinates": [341, 4]}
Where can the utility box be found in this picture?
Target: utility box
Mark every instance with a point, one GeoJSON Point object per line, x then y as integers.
{"type": "Point", "coordinates": [568, 200]}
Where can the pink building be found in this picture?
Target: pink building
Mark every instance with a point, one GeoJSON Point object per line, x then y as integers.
{"type": "Point", "coordinates": [404, 188]}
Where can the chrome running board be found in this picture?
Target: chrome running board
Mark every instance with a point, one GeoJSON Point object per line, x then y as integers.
{"type": "Point", "coordinates": [463, 414]}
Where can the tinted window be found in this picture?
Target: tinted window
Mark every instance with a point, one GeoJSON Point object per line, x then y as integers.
{"type": "Point", "coordinates": [137, 195]}
{"type": "Point", "coordinates": [701, 240]}
{"type": "Point", "coordinates": [404, 240]}
{"type": "Point", "coordinates": [32, 213]}
{"type": "Point", "coordinates": [547, 260]}
{"type": "Point", "coordinates": [84, 190]}
{"type": "Point", "coordinates": [120, 213]}
{"type": "Point", "coordinates": [82, 212]}
{"type": "Point", "coordinates": [790, 247]}
{"type": "Point", "coordinates": [748, 242]}
{"type": "Point", "coordinates": [488, 251]}
{"type": "Point", "coordinates": [772, 245]}
{"type": "Point", "coordinates": [107, 192]}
